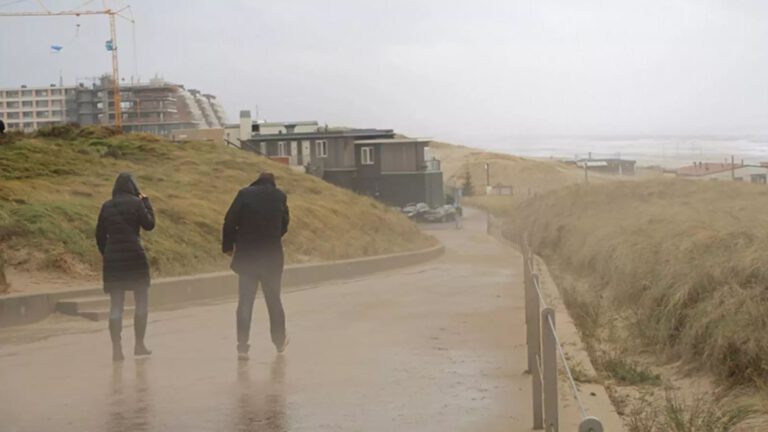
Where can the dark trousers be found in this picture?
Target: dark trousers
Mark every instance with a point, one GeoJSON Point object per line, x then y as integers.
{"type": "Point", "coordinates": [270, 284]}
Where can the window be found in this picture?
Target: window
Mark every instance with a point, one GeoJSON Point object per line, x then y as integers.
{"type": "Point", "coordinates": [56, 113]}
{"type": "Point", "coordinates": [366, 155]}
{"type": "Point", "coordinates": [28, 126]}
{"type": "Point", "coordinates": [12, 104]}
{"type": "Point", "coordinates": [56, 104]}
{"type": "Point", "coordinates": [27, 104]}
{"type": "Point", "coordinates": [56, 92]}
{"type": "Point", "coordinates": [12, 94]}
{"type": "Point", "coordinates": [41, 104]}
{"type": "Point", "coordinates": [281, 149]}
{"type": "Point", "coordinates": [12, 116]}
{"type": "Point", "coordinates": [322, 148]}
{"type": "Point", "coordinates": [28, 114]}
{"type": "Point", "coordinates": [41, 92]}
{"type": "Point", "coordinates": [26, 93]}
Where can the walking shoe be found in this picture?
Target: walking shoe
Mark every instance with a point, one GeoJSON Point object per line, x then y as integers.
{"type": "Point", "coordinates": [141, 350]}
{"type": "Point", "coordinates": [281, 347]}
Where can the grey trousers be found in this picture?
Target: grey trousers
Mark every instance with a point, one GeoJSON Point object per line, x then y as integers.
{"type": "Point", "coordinates": [270, 284]}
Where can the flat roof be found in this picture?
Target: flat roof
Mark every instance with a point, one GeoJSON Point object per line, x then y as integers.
{"type": "Point", "coordinates": [393, 141]}
{"type": "Point", "coordinates": [709, 168]}
{"type": "Point", "coordinates": [322, 134]}
{"type": "Point", "coordinates": [288, 123]}
{"type": "Point", "coordinates": [48, 87]}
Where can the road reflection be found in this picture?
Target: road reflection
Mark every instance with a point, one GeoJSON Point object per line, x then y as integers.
{"type": "Point", "coordinates": [130, 406]}
{"type": "Point", "coordinates": [262, 408]}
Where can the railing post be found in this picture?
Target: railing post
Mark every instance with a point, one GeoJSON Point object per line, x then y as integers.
{"type": "Point", "coordinates": [528, 306]}
{"type": "Point", "coordinates": [590, 424]}
{"type": "Point", "coordinates": [535, 346]}
{"type": "Point", "coordinates": [549, 369]}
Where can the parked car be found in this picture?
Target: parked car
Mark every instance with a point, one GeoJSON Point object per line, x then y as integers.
{"type": "Point", "coordinates": [416, 211]}
{"type": "Point", "coordinates": [446, 213]}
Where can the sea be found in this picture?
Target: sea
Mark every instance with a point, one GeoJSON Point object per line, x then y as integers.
{"type": "Point", "coordinates": [661, 151]}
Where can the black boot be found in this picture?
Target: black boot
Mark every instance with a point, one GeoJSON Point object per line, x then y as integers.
{"type": "Point", "coordinates": [115, 328]}
{"type": "Point", "coordinates": [243, 332]}
{"type": "Point", "coordinates": [140, 328]}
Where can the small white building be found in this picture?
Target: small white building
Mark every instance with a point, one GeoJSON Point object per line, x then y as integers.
{"type": "Point", "coordinates": [725, 172]}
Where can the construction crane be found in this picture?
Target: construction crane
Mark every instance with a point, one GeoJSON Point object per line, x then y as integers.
{"type": "Point", "coordinates": [110, 45]}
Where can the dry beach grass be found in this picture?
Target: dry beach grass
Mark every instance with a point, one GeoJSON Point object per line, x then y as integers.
{"type": "Point", "coordinates": [53, 183]}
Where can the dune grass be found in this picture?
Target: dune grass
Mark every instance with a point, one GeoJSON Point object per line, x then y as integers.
{"type": "Point", "coordinates": [526, 176]}
{"type": "Point", "coordinates": [52, 185]}
{"type": "Point", "coordinates": [675, 414]}
{"type": "Point", "coordinates": [683, 262]}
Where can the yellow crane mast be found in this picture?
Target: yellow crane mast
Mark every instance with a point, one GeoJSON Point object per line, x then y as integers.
{"type": "Point", "coordinates": [113, 34]}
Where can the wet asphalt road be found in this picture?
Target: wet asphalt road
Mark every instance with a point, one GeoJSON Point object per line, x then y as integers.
{"type": "Point", "coordinates": [435, 347]}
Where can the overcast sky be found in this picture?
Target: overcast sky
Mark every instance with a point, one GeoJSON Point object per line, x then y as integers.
{"type": "Point", "coordinates": [458, 70]}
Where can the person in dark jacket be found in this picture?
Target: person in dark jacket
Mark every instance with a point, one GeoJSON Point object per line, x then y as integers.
{"type": "Point", "coordinates": [125, 266]}
{"type": "Point", "coordinates": [253, 229]}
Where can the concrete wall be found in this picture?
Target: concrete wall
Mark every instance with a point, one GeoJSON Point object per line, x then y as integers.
{"type": "Point", "coordinates": [213, 135]}
{"type": "Point", "coordinates": [276, 128]}
{"type": "Point", "coordinates": [18, 309]}
{"type": "Point", "coordinates": [435, 190]}
{"type": "Point", "coordinates": [341, 178]}
{"type": "Point", "coordinates": [399, 189]}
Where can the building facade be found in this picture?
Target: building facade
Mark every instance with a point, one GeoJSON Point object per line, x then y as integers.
{"type": "Point", "coordinates": [30, 108]}
{"type": "Point", "coordinates": [725, 172]}
{"type": "Point", "coordinates": [612, 166]}
{"type": "Point", "coordinates": [371, 162]}
{"type": "Point", "coordinates": [157, 107]}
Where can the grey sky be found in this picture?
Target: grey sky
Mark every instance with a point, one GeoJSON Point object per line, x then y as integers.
{"type": "Point", "coordinates": [464, 71]}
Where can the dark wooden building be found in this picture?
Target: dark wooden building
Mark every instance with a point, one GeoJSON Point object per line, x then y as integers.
{"type": "Point", "coordinates": [369, 161]}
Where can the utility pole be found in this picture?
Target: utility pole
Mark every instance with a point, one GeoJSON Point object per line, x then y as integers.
{"type": "Point", "coordinates": [733, 169]}
{"type": "Point", "coordinates": [586, 172]}
{"type": "Point", "coordinates": [487, 178]}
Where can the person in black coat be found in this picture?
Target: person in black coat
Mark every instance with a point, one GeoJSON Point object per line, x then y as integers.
{"type": "Point", "coordinates": [252, 234]}
{"type": "Point", "coordinates": [125, 266]}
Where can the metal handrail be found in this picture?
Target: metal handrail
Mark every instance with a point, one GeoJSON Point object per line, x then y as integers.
{"type": "Point", "coordinates": [543, 349]}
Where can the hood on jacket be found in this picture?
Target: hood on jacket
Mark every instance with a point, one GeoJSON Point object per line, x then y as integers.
{"type": "Point", "coordinates": [125, 184]}
{"type": "Point", "coordinates": [265, 179]}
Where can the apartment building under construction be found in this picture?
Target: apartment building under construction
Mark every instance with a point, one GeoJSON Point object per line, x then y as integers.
{"type": "Point", "coordinates": [158, 106]}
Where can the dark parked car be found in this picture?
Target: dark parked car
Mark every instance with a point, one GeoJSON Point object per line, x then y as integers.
{"type": "Point", "coordinates": [416, 211]}
{"type": "Point", "coordinates": [446, 213]}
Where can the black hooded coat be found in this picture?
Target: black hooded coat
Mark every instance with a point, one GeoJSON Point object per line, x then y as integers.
{"type": "Point", "coordinates": [254, 226]}
{"type": "Point", "coordinates": [125, 265]}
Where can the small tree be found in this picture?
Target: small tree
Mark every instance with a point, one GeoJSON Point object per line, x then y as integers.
{"type": "Point", "coordinates": [468, 188]}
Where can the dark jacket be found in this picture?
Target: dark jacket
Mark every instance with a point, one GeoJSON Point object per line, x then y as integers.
{"type": "Point", "coordinates": [117, 235]}
{"type": "Point", "coordinates": [254, 226]}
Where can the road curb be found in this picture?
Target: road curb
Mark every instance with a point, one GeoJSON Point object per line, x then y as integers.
{"type": "Point", "coordinates": [19, 309]}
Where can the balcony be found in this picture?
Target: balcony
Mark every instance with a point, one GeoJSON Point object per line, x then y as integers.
{"type": "Point", "coordinates": [431, 165]}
